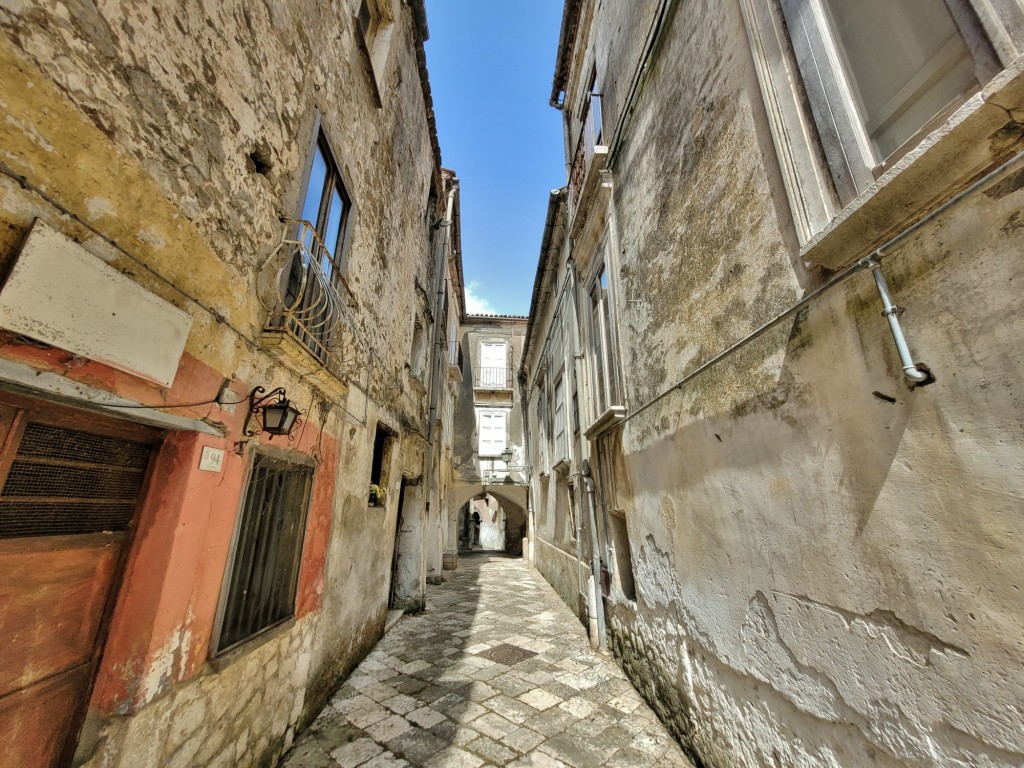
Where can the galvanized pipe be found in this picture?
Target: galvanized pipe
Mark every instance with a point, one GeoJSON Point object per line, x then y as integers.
{"type": "Point", "coordinates": [891, 313]}
{"type": "Point", "coordinates": [836, 280]}
{"type": "Point", "coordinates": [595, 556]}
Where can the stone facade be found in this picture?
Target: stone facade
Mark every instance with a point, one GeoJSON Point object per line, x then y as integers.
{"type": "Point", "coordinates": [169, 141]}
{"type": "Point", "coordinates": [809, 561]}
{"type": "Point", "coordinates": [491, 347]}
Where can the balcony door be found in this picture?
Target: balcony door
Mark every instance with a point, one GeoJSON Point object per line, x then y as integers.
{"type": "Point", "coordinates": [494, 365]}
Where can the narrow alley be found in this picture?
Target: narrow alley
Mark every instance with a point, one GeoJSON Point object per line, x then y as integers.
{"type": "Point", "coordinates": [552, 383]}
{"type": "Point", "coordinates": [496, 672]}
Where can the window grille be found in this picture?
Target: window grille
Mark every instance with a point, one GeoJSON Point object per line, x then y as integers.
{"type": "Point", "coordinates": [268, 550]}
{"type": "Point", "coordinates": [64, 481]}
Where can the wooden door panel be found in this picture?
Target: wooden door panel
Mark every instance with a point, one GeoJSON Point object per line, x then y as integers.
{"type": "Point", "coordinates": [70, 484]}
{"type": "Point", "coordinates": [35, 721]}
{"type": "Point", "coordinates": [52, 598]}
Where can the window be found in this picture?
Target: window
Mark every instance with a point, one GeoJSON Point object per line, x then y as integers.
{"type": "Point", "coordinates": [381, 442]}
{"type": "Point", "coordinates": [541, 439]}
{"type": "Point", "coordinates": [417, 355]}
{"type": "Point", "coordinates": [593, 129]}
{"type": "Point", "coordinates": [311, 305]}
{"type": "Point", "coordinates": [373, 32]}
{"type": "Point", "coordinates": [619, 529]}
{"type": "Point", "coordinates": [326, 207]}
{"type": "Point", "coordinates": [575, 405]}
{"type": "Point", "coordinates": [493, 371]}
{"type": "Point", "coordinates": [369, 19]}
{"type": "Point", "coordinates": [264, 571]}
{"type": "Point", "coordinates": [491, 427]}
{"type": "Point", "coordinates": [603, 363]}
{"type": "Point", "coordinates": [574, 525]}
{"type": "Point", "coordinates": [449, 414]}
{"type": "Point", "coordinates": [561, 446]}
{"type": "Point", "coordinates": [453, 340]}
{"type": "Point", "coordinates": [591, 136]}
{"type": "Point", "coordinates": [555, 350]}
{"type": "Point", "coordinates": [876, 75]}
{"type": "Point", "coordinates": [876, 72]}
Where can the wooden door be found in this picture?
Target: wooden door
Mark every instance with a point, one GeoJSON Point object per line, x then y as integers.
{"type": "Point", "coordinates": [70, 483]}
{"type": "Point", "coordinates": [396, 552]}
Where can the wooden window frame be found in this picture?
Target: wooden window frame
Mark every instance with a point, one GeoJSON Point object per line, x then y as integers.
{"type": "Point", "coordinates": [480, 431]}
{"type": "Point", "coordinates": [607, 388]}
{"type": "Point", "coordinates": [483, 381]}
{"type": "Point", "coordinates": [560, 439]}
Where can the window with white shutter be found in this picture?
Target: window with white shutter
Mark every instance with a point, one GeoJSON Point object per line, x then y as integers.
{"type": "Point", "coordinates": [491, 425]}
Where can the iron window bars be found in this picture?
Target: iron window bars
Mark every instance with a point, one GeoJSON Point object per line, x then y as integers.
{"type": "Point", "coordinates": [268, 550]}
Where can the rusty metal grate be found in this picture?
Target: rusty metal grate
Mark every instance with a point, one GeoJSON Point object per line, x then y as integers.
{"type": "Point", "coordinates": [268, 550]}
{"type": "Point", "coordinates": [64, 481]}
{"type": "Point", "coordinates": [507, 654]}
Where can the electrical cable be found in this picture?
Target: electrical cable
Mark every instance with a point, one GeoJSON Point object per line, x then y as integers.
{"type": "Point", "coordinates": [24, 183]}
{"type": "Point", "coordinates": [216, 400]}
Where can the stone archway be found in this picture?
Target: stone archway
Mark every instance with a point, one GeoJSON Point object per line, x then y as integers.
{"type": "Point", "coordinates": [502, 513]}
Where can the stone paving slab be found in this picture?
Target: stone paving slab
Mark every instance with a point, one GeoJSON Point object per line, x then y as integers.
{"type": "Point", "coordinates": [435, 692]}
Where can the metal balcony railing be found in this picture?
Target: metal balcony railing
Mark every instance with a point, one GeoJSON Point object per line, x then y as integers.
{"type": "Point", "coordinates": [301, 297]}
{"type": "Point", "coordinates": [493, 378]}
{"type": "Point", "coordinates": [455, 354]}
{"type": "Point", "coordinates": [590, 137]}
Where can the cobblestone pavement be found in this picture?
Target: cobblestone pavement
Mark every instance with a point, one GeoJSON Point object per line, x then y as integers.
{"type": "Point", "coordinates": [496, 672]}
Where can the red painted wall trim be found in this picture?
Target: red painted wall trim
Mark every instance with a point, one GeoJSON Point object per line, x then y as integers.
{"type": "Point", "coordinates": [164, 617]}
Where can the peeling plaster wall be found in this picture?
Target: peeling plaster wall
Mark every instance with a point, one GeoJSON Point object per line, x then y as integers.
{"type": "Point", "coordinates": [181, 132]}
{"type": "Point", "coordinates": [824, 578]}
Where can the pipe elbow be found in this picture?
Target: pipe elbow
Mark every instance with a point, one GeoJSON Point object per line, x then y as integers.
{"type": "Point", "coordinates": [918, 375]}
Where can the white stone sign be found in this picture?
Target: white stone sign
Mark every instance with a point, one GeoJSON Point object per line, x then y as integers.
{"type": "Point", "coordinates": [61, 294]}
{"type": "Point", "coordinates": [212, 459]}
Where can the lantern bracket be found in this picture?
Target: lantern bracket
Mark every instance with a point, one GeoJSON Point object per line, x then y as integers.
{"type": "Point", "coordinates": [277, 414]}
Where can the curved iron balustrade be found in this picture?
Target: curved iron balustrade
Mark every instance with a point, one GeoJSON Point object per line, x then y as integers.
{"type": "Point", "coordinates": [298, 291]}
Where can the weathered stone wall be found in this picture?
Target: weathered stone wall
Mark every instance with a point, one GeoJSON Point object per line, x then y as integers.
{"type": "Point", "coordinates": [202, 723]}
{"type": "Point", "coordinates": [560, 570]}
{"type": "Point", "coordinates": [181, 132]}
{"type": "Point", "coordinates": [827, 563]}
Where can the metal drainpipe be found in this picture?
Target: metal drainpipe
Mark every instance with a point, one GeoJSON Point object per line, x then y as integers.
{"type": "Point", "coordinates": [918, 374]}
{"type": "Point", "coordinates": [595, 555]}
{"type": "Point", "coordinates": [435, 374]}
{"type": "Point", "coordinates": [571, 287]}
{"type": "Point", "coordinates": [579, 538]}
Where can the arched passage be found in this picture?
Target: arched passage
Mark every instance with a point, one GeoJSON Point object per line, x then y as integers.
{"type": "Point", "coordinates": [491, 521]}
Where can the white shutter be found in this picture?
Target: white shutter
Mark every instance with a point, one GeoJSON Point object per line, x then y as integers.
{"type": "Point", "coordinates": [493, 364]}
{"type": "Point", "coordinates": [492, 433]}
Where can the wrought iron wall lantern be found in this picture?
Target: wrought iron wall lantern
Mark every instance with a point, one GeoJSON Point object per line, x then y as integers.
{"type": "Point", "coordinates": [272, 413]}
{"type": "Point", "coordinates": [506, 455]}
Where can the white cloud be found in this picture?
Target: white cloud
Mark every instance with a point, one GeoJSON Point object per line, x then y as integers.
{"type": "Point", "coordinates": [475, 303]}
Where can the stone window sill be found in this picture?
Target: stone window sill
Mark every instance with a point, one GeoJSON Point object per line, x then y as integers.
{"type": "Point", "coordinates": [605, 421]}
{"type": "Point", "coordinates": [226, 659]}
{"type": "Point", "coordinates": [985, 131]}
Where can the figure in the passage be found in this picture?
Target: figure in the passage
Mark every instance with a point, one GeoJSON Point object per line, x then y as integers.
{"type": "Point", "coordinates": [476, 527]}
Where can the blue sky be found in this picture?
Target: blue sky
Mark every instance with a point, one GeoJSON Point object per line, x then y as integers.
{"type": "Point", "coordinates": [491, 64]}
